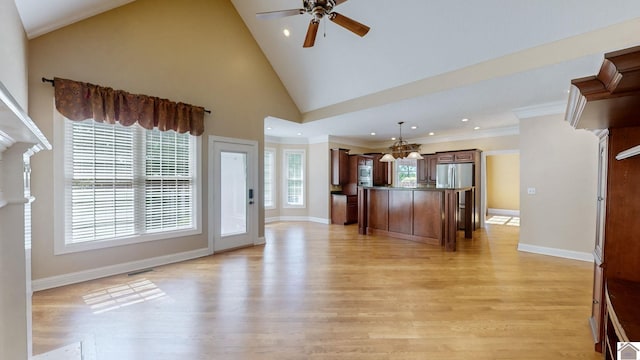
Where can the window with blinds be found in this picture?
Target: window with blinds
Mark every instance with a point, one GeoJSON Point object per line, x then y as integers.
{"type": "Point", "coordinates": [294, 169]}
{"type": "Point", "coordinates": [269, 178]}
{"type": "Point", "coordinates": [406, 172]}
{"type": "Point", "coordinates": [127, 182]}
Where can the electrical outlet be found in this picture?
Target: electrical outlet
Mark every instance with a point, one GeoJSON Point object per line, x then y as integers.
{"type": "Point", "coordinates": [531, 191]}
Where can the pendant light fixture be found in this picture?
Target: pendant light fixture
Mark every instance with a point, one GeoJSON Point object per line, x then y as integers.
{"type": "Point", "coordinates": [402, 149]}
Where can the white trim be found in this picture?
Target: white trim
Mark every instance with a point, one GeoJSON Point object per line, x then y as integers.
{"type": "Point", "coordinates": [567, 254]}
{"type": "Point", "coordinates": [92, 274]}
{"type": "Point", "coordinates": [60, 245]}
{"type": "Point", "coordinates": [552, 108]}
{"type": "Point", "coordinates": [214, 206]}
{"type": "Point", "coordinates": [503, 212]}
{"type": "Point", "coordinates": [284, 182]}
{"type": "Point", "coordinates": [483, 177]}
{"type": "Point", "coordinates": [297, 219]}
{"type": "Point", "coordinates": [478, 134]}
{"type": "Point", "coordinates": [274, 186]}
{"type": "Point", "coordinates": [319, 220]}
{"type": "Point", "coordinates": [260, 241]}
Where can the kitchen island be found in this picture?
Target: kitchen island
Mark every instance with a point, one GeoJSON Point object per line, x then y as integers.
{"type": "Point", "coordinates": [423, 214]}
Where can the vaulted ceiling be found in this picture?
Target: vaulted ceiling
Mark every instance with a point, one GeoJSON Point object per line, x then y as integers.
{"type": "Point", "coordinates": [427, 63]}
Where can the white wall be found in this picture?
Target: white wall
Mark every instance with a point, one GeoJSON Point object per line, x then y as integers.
{"type": "Point", "coordinates": [14, 302]}
{"type": "Point", "coordinates": [561, 164]}
{"type": "Point", "coordinates": [13, 52]}
{"type": "Point", "coordinates": [319, 172]}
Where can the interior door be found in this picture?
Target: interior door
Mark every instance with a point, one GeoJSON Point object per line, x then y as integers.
{"type": "Point", "coordinates": [233, 185]}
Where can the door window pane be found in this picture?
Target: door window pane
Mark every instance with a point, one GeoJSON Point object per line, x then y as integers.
{"type": "Point", "coordinates": [233, 193]}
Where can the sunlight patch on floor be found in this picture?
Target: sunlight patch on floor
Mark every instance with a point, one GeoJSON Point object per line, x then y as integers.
{"type": "Point", "coordinates": [504, 220]}
{"type": "Point", "coordinates": [119, 296]}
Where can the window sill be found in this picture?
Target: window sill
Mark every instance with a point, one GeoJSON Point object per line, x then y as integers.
{"type": "Point", "coordinates": [61, 249]}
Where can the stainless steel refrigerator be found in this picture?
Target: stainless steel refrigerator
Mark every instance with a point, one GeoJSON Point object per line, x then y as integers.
{"type": "Point", "coordinates": [452, 176]}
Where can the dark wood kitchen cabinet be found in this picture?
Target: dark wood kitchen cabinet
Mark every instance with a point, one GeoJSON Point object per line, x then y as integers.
{"type": "Point", "coordinates": [344, 209]}
{"type": "Point", "coordinates": [427, 169]}
{"type": "Point", "coordinates": [340, 168]}
{"type": "Point", "coordinates": [380, 170]}
{"type": "Point", "coordinates": [610, 101]}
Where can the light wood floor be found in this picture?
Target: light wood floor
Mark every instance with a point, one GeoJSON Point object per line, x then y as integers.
{"type": "Point", "coordinates": [324, 292]}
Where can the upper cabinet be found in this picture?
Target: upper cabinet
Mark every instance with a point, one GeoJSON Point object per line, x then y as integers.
{"type": "Point", "coordinates": [340, 166]}
{"type": "Point", "coordinates": [465, 156]}
{"type": "Point", "coordinates": [380, 170]}
{"type": "Point", "coordinates": [609, 99]}
{"type": "Point", "coordinates": [427, 169]}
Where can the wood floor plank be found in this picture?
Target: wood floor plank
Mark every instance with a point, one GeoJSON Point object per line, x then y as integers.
{"type": "Point", "coordinates": [324, 292]}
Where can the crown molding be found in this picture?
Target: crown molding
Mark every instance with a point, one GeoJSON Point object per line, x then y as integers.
{"type": "Point", "coordinates": [552, 108]}
{"type": "Point", "coordinates": [477, 134]}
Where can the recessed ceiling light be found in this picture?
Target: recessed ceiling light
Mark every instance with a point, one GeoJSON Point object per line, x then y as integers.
{"type": "Point", "coordinates": [299, 134]}
{"type": "Point", "coordinates": [394, 139]}
{"type": "Point", "coordinates": [414, 127]}
{"type": "Point", "coordinates": [373, 134]}
{"type": "Point", "coordinates": [286, 32]}
{"type": "Point", "coordinates": [476, 128]}
{"type": "Point", "coordinates": [431, 133]}
{"type": "Point", "coordinates": [465, 120]}
{"type": "Point", "coordinates": [268, 127]}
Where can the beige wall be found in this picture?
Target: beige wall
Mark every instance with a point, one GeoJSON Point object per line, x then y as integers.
{"type": "Point", "coordinates": [195, 51]}
{"type": "Point", "coordinates": [503, 181]}
{"type": "Point", "coordinates": [561, 164]}
{"type": "Point", "coordinates": [319, 198]}
{"type": "Point", "coordinates": [13, 52]}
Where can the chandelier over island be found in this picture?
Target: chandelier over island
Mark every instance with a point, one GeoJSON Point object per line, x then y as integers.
{"type": "Point", "coordinates": [402, 149]}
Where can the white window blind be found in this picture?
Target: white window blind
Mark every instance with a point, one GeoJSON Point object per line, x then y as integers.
{"type": "Point", "coordinates": [126, 181]}
{"type": "Point", "coordinates": [269, 178]}
{"type": "Point", "coordinates": [294, 177]}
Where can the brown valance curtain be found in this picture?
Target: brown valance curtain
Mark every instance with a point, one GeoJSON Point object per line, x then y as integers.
{"type": "Point", "coordinates": [80, 101]}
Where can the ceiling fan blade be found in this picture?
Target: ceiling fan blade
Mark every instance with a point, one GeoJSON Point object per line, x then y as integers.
{"type": "Point", "coordinates": [279, 14]}
{"type": "Point", "coordinates": [349, 24]}
{"type": "Point", "coordinates": [338, 2]}
{"type": "Point", "coordinates": [310, 39]}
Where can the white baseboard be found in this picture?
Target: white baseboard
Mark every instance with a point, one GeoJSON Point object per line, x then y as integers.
{"type": "Point", "coordinates": [320, 220]}
{"type": "Point", "coordinates": [503, 212]}
{"type": "Point", "coordinates": [92, 274]}
{"type": "Point", "coordinates": [297, 218]}
{"type": "Point", "coordinates": [260, 241]}
{"type": "Point", "coordinates": [567, 254]}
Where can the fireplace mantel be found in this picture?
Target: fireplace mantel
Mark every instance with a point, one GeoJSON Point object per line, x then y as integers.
{"type": "Point", "coordinates": [20, 138]}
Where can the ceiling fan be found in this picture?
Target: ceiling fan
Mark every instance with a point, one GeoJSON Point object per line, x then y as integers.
{"type": "Point", "coordinates": [319, 9]}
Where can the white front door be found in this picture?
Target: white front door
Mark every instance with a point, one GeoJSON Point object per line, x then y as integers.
{"type": "Point", "coordinates": [233, 175]}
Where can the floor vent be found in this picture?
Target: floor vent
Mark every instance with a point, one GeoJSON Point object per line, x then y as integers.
{"type": "Point", "coordinates": [139, 272]}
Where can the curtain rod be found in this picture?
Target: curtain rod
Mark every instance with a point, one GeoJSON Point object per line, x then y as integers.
{"type": "Point", "coordinates": [52, 82]}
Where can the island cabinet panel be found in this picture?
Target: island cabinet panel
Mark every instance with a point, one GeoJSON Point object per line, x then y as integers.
{"type": "Point", "coordinates": [420, 215]}
{"type": "Point", "coordinates": [401, 212]}
{"type": "Point", "coordinates": [427, 215]}
{"type": "Point", "coordinates": [378, 209]}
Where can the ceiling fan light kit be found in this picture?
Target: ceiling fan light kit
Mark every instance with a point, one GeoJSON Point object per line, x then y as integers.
{"type": "Point", "coordinates": [318, 9]}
